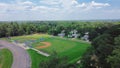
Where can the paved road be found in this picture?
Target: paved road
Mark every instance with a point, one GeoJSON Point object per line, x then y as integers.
{"type": "Point", "coordinates": [21, 58]}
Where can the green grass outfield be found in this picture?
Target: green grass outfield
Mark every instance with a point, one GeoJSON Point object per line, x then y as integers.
{"type": "Point", "coordinates": [70, 48]}
{"type": "Point", "coordinates": [36, 58]}
{"type": "Point", "coordinates": [6, 58]}
{"type": "Point", "coordinates": [73, 49]}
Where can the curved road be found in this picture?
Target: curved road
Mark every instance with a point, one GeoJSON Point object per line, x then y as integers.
{"type": "Point", "coordinates": [21, 58]}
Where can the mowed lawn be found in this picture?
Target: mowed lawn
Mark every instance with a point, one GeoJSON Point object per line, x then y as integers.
{"type": "Point", "coordinates": [36, 58]}
{"type": "Point", "coordinates": [6, 58]}
{"type": "Point", "coordinates": [64, 47]}
{"type": "Point", "coordinates": [24, 38]}
{"type": "Point", "coordinates": [72, 49]}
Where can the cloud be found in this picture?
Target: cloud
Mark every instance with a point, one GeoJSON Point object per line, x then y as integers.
{"type": "Point", "coordinates": [95, 4]}
{"type": "Point", "coordinates": [92, 4]}
{"type": "Point", "coordinates": [3, 7]}
{"type": "Point", "coordinates": [26, 3]}
{"type": "Point", "coordinates": [49, 2]}
{"type": "Point", "coordinates": [61, 4]}
{"type": "Point", "coordinates": [49, 9]}
{"type": "Point", "coordinates": [69, 4]}
{"type": "Point", "coordinates": [16, 6]}
{"type": "Point", "coordinates": [44, 9]}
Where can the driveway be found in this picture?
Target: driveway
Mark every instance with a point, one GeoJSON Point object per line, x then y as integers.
{"type": "Point", "coordinates": [21, 58]}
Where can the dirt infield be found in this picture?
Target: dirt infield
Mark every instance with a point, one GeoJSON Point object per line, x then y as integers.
{"type": "Point", "coordinates": [46, 44]}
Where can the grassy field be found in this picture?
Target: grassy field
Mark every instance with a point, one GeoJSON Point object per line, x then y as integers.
{"type": "Point", "coordinates": [73, 49]}
{"type": "Point", "coordinates": [36, 58]}
{"type": "Point", "coordinates": [70, 48]}
{"type": "Point", "coordinates": [6, 58]}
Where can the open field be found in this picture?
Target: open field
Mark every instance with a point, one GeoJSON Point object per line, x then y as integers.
{"type": "Point", "coordinates": [73, 49]}
{"type": "Point", "coordinates": [6, 58]}
{"type": "Point", "coordinates": [36, 58]}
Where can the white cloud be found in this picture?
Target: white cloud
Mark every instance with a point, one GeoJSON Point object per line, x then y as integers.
{"type": "Point", "coordinates": [81, 5]}
{"type": "Point", "coordinates": [67, 4]}
{"type": "Point", "coordinates": [61, 4]}
{"type": "Point", "coordinates": [44, 9]}
{"type": "Point", "coordinates": [16, 6]}
{"type": "Point", "coordinates": [92, 5]}
{"type": "Point", "coordinates": [3, 7]}
{"type": "Point", "coordinates": [50, 9]}
{"type": "Point", "coordinates": [71, 5]}
{"type": "Point", "coordinates": [95, 4]}
{"type": "Point", "coordinates": [74, 2]}
{"type": "Point", "coordinates": [26, 3]}
{"type": "Point", "coordinates": [3, 4]}
{"type": "Point", "coordinates": [49, 2]}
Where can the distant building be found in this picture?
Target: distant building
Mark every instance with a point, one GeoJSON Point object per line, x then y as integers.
{"type": "Point", "coordinates": [86, 36]}
{"type": "Point", "coordinates": [73, 34]}
{"type": "Point", "coordinates": [62, 34]}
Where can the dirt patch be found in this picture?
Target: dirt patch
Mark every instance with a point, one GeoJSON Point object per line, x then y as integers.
{"type": "Point", "coordinates": [0, 66]}
{"type": "Point", "coordinates": [46, 44]}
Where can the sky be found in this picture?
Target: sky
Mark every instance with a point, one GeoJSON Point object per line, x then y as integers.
{"type": "Point", "coordinates": [26, 10]}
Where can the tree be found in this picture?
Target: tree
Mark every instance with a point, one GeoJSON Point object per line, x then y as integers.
{"type": "Point", "coordinates": [114, 59]}
{"type": "Point", "coordinates": [86, 61]}
{"type": "Point", "coordinates": [114, 31]}
{"type": "Point", "coordinates": [104, 46]}
{"type": "Point", "coordinates": [54, 62]}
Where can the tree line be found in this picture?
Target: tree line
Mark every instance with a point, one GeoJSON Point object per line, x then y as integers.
{"type": "Point", "coordinates": [52, 28]}
{"type": "Point", "coordinates": [105, 50]}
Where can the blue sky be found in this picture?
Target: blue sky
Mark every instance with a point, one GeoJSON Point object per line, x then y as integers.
{"type": "Point", "coordinates": [12, 10]}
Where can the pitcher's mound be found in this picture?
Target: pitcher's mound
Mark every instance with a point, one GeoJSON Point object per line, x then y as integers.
{"type": "Point", "coordinates": [46, 44]}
